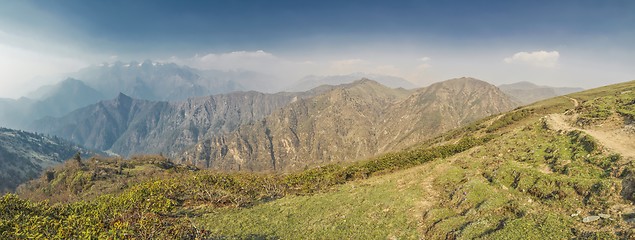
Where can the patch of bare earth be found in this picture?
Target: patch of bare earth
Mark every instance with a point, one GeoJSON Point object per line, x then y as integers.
{"type": "Point", "coordinates": [615, 138]}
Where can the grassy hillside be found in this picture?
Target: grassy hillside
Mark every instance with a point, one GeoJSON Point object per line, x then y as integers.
{"type": "Point", "coordinates": [541, 171]}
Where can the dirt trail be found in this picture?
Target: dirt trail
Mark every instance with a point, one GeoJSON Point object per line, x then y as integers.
{"type": "Point", "coordinates": [614, 140]}
{"type": "Point", "coordinates": [575, 101]}
{"type": "Point", "coordinates": [432, 196]}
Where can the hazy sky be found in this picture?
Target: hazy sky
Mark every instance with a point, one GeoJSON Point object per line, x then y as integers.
{"type": "Point", "coordinates": [557, 43]}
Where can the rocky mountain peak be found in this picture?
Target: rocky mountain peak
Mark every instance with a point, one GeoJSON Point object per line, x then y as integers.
{"type": "Point", "coordinates": [70, 80]}
{"type": "Point", "coordinates": [450, 90]}
{"type": "Point", "coordinates": [519, 85]}
{"type": "Point", "coordinates": [365, 81]}
{"type": "Point", "coordinates": [122, 99]}
{"type": "Point", "coordinates": [368, 90]}
{"type": "Point", "coordinates": [312, 81]}
{"type": "Point", "coordinates": [147, 63]}
{"type": "Point", "coordinates": [463, 82]}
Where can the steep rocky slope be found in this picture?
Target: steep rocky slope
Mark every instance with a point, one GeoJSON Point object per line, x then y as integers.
{"type": "Point", "coordinates": [439, 108]}
{"type": "Point", "coordinates": [99, 125]}
{"type": "Point", "coordinates": [127, 126]}
{"type": "Point", "coordinates": [352, 121]}
{"type": "Point", "coordinates": [24, 155]}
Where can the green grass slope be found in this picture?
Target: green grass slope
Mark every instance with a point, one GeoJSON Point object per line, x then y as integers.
{"type": "Point", "coordinates": [510, 176]}
{"type": "Point", "coordinates": [383, 206]}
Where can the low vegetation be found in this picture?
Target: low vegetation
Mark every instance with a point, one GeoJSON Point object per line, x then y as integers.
{"type": "Point", "coordinates": [531, 183]}
{"type": "Point", "coordinates": [597, 109]}
{"type": "Point", "coordinates": [509, 119]}
{"type": "Point", "coordinates": [162, 201]}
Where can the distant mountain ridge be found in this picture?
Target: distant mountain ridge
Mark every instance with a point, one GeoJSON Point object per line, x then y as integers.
{"type": "Point", "coordinates": [54, 100]}
{"type": "Point", "coordinates": [350, 122]}
{"type": "Point", "coordinates": [155, 81]}
{"type": "Point", "coordinates": [527, 92]}
{"type": "Point", "coordinates": [313, 81]}
{"type": "Point", "coordinates": [147, 80]}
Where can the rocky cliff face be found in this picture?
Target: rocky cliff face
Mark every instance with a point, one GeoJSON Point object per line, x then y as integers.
{"type": "Point", "coordinates": [174, 126]}
{"type": "Point", "coordinates": [99, 125]}
{"type": "Point", "coordinates": [349, 122]}
{"type": "Point", "coordinates": [128, 126]}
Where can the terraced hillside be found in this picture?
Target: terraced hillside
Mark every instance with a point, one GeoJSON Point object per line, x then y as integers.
{"type": "Point", "coordinates": [540, 171]}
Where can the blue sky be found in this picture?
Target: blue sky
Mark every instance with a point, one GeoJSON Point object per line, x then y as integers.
{"type": "Point", "coordinates": [562, 43]}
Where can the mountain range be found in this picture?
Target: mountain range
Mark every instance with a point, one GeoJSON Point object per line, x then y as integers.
{"type": "Point", "coordinates": [147, 80]}
{"type": "Point", "coordinates": [313, 81]}
{"type": "Point", "coordinates": [55, 100]}
{"type": "Point", "coordinates": [254, 131]}
{"type": "Point", "coordinates": [128, 126]}
{"type": "Point", "coordinates": [350, 122]}
{"type": "Point", "coordinates": [157, 81]}
{"type": "Point", "coordinates": [560, 168]}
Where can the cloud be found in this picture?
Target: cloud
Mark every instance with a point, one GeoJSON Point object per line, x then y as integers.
{"type": "Point", "coordinates": [538, 58]}
{"type": "Point", "coordinates": [388, 70]}
{"type": "Point", "coordinates": [423, 67]}
{"type": "Point", "coordinates": [213, 60]}
{"type": "Point", "coordinates": [246, 60]}
{"type": "Point", "coordinates": [288, 70]}
{"type": "Point", "coordinates": [345, 66]}
{"type": "Point", "coordinates": [283, 70]}
{"type": "Point", "coordinates": [348, 62]}
{"type": "Point", "coordinates": [28, 64]}
{"type": "Point", "coordinates": [356, 65]}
